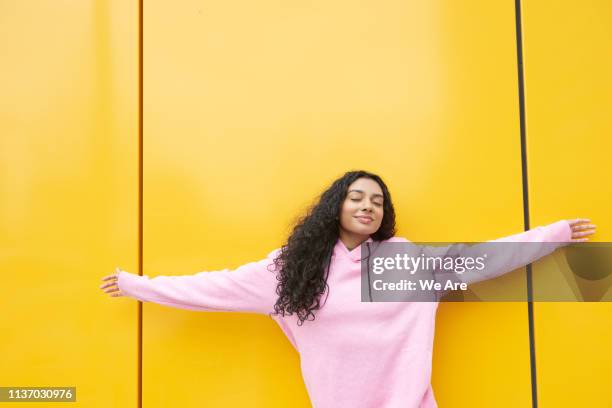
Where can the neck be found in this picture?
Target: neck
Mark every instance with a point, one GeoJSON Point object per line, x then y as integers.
{"type": "Point", "coordinates": [352, 240]}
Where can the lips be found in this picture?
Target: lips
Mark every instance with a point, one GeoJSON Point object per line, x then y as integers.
{"type": "Point", "coordinates": [364, 219]}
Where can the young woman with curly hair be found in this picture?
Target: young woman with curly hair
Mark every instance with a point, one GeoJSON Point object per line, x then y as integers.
{"type": "Point", "coordinates": [353, 353]}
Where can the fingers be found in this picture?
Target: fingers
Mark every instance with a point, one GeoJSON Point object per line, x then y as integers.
{"type": "Point", "coordinates": [582, 234]}
{"type": "Point", "coordinates": [112, 290]}
{"type": "Point", "coordinates": [579, 231]}
{"type": "Point", "coordinates": [583, 230]}
{"type": "Point", "coordinates": [578, 221]}
{"type": "Point", "coordinates": [112, 276]}
{"type": "Point", "coordinates": [583, 227]}
{"type": "Point", "coordinates": [111, 287]}
{"type": "Point", "coordinates": [106, 285]}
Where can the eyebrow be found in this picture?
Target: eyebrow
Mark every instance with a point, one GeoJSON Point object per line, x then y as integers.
{"type": "Point", "coordinates": [361, 191]}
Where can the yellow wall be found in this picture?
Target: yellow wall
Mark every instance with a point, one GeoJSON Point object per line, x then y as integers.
{"type": "Point", "coordinates": [68, 197]}
{"type": "Point", "coordinates": [250, 110]}
{"type": "Point", "coordinates": [568, 60]}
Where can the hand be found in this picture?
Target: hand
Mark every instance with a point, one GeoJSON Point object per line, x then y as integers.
{"type": "Point", "coordinates": [588, 229]}
{"type": "Point", "coordinates": [113, 289]}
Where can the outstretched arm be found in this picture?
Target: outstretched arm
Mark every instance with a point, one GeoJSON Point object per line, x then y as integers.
{"type": "Point", "coordinates": [248, 288]}
{"type": "Point", "coordinates": [542, 240]}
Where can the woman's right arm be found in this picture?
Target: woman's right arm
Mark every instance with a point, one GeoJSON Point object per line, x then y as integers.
{"type": "Point", "coordinates": [248, 288]}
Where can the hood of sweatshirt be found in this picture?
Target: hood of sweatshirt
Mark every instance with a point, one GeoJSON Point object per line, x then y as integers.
{"type": "Point", "coordinates": [340, 250]}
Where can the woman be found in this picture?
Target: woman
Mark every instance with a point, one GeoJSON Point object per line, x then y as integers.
{"type": "Point", "coordinates": [353, 353]}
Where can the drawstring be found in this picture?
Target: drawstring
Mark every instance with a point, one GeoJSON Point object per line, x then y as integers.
{"type": "Point", "coordinates": [368, 269]}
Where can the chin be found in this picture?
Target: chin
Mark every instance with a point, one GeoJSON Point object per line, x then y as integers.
{"type": "Point", "coordinates": [364, 230]}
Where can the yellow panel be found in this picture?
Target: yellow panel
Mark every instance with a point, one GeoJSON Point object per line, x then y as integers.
{"type": "Point", "coordinates": [474, 193]}
{"type": "Point", "coordinates": [68, 197]}
{"type": "Point", "coordinates": [568, 60]}
{"type": "Point", "coordinates": [252, 108]}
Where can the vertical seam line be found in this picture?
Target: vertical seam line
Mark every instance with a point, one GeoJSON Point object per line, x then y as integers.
{"type": "Point", "coordinates": [140, 188]}
{"type": "Point", "coordinates": [526, 221]}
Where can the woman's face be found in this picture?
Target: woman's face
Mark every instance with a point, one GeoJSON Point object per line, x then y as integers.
{"type": "Point", "coordinates": [362, 210]}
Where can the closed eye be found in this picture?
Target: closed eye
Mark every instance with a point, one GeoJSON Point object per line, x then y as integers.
{"type": "Point", "coordinates": [357, 199]}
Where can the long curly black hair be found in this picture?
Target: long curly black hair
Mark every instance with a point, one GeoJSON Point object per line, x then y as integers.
{"type": "Point", "coordinates": [303, 262]}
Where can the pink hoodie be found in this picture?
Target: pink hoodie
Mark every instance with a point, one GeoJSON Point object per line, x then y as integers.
{"type": "Point", "coordinates": [354, 354]}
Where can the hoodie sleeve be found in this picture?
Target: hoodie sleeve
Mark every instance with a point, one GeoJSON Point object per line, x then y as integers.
{"type": "Point", "coordinates": [249, 288]}
{"type": "Point", "coordinates": [501, 259]}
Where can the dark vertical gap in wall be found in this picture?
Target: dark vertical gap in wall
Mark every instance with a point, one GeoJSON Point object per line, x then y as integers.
{"type": "Point", "coordinates": [140, 189]}
{"type": "Point", "coordinates": [521, 90]}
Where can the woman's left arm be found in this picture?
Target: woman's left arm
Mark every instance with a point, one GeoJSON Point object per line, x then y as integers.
{"type": "Point", "coordinates": [522, 248]}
